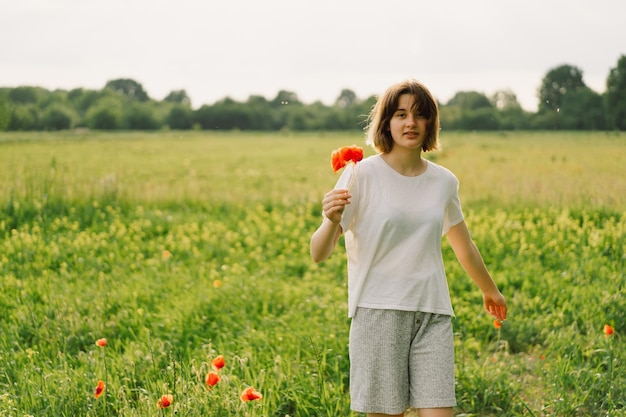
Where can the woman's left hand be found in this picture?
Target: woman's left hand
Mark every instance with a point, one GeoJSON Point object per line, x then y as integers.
{"type": "Point", "coordinates": [495, 304]}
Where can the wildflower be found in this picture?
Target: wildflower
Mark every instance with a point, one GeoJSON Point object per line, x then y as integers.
{"type": "Point", "coordinates": [217, 283]}
{"type": "Point", "coordinates": [218, 362]}
{"type": "Point", "coordinates": [166, 255]}
{"type": "Point", "coordinates": [165, 400]}
{"type": "Point", "coordinates": [250, 394]}
{"type": "Point", "coordinates": [497, 324]}
{"type": "Point", "coordinates": [336, 160]}
{"type": "Point", "coordinates": [352, 153]}
{"type": "Point", "coordinates": [99, 389]}
{"type": "Point", "coordinates": [212, 379]}
{"type": "Point", "coordinates": [101, 342]}
{"type": "Point", "coordinates": [608, 330]}
{"type": "Point", "coordinates": [340, 157]}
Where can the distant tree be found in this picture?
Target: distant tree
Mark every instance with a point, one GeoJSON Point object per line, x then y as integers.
{"type": "Point", "coordinates": [335, 118]}
{"type": "Point", "coordinates": [504, 99]}
{"type": "Point", "coordinates": [129, 88]}
{"type": "Point", "coordinates": [52, 98]}
{"type": "Point", "coordinates": [449, 117]}
{"type": "Point", "coordinates": [469, 110]}
{"type": "Point", "coordinates": [347, 98]}
{"type": "Point", "coordinates": [105, 114]}
{"type": "Point", "coordinates": [5, 115]}
{"type": "Point", "coordinates": [363, 110]}
{"type": "Point", "coordinates": [582, 109]}
{"type": "Point", "coordinates": [300, 118]}
{"type": "Point", "coordinates": [204, 117]}
{"type": "Point", "coordinates": [23, 117]}
{"type": "Point", "coordinates": [228, 115]}
{"type": "Point", "coordinates": [262, 115]}
{"type": "Point", "coordinates": [57, 117]}
{"type": "Point", "coordinates": [284, 98]}
{"type": "Point", "coordinates": [257, 100]}
{"type": "Point", "coordinates": [556, 83]}
{"type": "Point", "coordinates": [615, 97]}
{"type": "Point", "coordinates": [225, 114]}
{"type": "Point", "coordinates": [24, 95]}
{"type": "Point", "coordinates": [140, 116]}
{"type": "Point", "coordinates": [81, 99]}
{"type": "Point", "coordinates": [483, 118]}
{"type": "Point", "coordinates": [179, 97]}
{"type": "Point", "coordinates": [180, 116]}
{"type": "Point", "coordinates": [511, 116]}
{"type": "Point", "coordinates": [74, 94]}
{"type": "Point", "coordinates": [470, 100]}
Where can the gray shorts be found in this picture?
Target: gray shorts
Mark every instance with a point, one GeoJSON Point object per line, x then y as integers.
{"type": "Point", "coordinates": [400, 359]}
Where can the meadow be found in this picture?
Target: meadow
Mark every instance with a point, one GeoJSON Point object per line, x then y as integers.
{"type": "Point", "coordinates": [180, 247]}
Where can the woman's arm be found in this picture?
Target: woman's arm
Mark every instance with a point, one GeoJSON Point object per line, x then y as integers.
{"type": "Point", "coordinates": [325, 238]}
{"type": "Point", "coordinates": [472, 262]}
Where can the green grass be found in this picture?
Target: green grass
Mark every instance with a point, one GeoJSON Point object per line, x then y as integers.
{"type": "Point", "coordinates": [85, 219]}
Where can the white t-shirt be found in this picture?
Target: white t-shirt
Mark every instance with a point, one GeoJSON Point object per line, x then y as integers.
{"type": "Point", "coordinates": [393, 228]}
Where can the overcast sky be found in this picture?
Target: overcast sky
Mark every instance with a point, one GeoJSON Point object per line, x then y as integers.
{"type": "Point", "coordinates": [315, 48]}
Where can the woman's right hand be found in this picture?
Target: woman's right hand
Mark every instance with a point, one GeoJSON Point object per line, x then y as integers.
{"type": "Point", "coordinates": [334, 202]}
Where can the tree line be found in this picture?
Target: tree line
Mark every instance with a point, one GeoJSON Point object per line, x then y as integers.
{"type": "Point", "coordinates": [564, 102]}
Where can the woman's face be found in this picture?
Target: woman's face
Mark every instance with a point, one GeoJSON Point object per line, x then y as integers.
{"type": "Point", "coordinates": [407, 126]}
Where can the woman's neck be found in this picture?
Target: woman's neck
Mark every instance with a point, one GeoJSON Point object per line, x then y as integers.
{"type": "Point", "coordinates": [407, 163]}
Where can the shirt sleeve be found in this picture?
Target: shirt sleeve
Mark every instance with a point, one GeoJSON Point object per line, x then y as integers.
{"type": "Point", "coordinates": [453, 214]}
{"type": "Point", "coordinates": [344, 178]}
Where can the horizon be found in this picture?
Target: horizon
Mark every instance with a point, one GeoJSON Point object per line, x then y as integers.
{"type": "Point", "coordinates": [243, 48]}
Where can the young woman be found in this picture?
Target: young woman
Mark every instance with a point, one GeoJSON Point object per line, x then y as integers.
{"type": "Point", "coordinates": [393, 217]}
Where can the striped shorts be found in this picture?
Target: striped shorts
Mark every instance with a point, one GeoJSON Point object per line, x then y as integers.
{"type": "Point", "coordinates": [400, 359]}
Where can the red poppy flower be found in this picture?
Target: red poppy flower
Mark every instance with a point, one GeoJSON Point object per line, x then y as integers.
{"type": "Point", "coordinates": [340, 157]}
{"type": "Point", "coordinates": [608, 330]}
{"type": "Point", "coordinates": [99, 389]}
{"type": "Point", "coordinates": [352, 153]}
{"type": "Point", "coordinates": [336, 160]}
{"type": "Point", "coordinates": [101, 342]}
{"type": "Point", "coordinates": [250, 394]}
{"type": "Point", "coordinates": [165, 401]}
{"type": "Point", "coordinates": [212, 378]}
{"type": "Point", "coordinates": [218, 362]}
{"type": "Point", "coordinates": [497, 323]}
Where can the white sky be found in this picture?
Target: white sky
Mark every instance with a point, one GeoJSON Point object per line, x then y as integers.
{"type": "Point", "coordinates": [315, 48]}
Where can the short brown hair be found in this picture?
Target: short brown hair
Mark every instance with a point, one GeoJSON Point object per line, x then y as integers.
{"type": "Point", "coordinates": [378, 134]}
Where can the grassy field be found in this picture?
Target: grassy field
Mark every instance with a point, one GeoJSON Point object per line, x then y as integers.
{"type": "Point", "coordinates": [179, 247]}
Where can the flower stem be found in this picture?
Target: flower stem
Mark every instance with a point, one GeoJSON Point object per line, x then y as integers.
{"type": "Point", "coordinates": [355, 171]}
